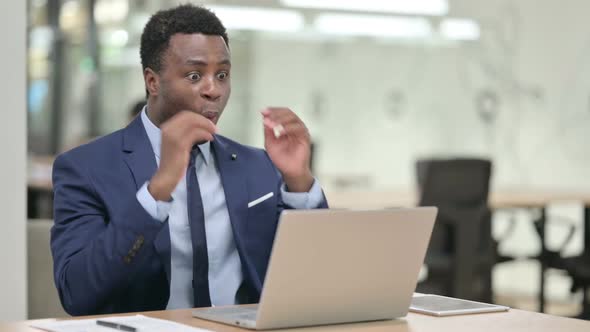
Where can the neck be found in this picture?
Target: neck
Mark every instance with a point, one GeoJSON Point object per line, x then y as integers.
{"type": "Point", "coordinates": [152, 112]}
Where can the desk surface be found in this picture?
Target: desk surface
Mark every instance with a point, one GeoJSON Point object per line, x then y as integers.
{"type": "Point", "coordinates": [499, 199]}
{"type": "Point", "coordinates": [514, 320]}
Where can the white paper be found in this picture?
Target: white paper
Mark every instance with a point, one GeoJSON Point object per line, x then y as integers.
{"type": "Point", "coordinates": [140, 322]}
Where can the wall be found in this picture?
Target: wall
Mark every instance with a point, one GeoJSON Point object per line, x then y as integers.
{"type": "Point", "coordinates": [13, 165]}
{"type": "Point", "coordinates": [530, 70]}
{"type": "Point", "coordinates": [532, 63]}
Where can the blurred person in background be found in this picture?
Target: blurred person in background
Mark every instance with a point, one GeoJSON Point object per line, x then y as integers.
{"type": "Point", "coordinates": [136, 109]}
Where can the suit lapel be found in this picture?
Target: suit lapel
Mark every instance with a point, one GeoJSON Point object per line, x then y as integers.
{"type": "Point", "coordinates": [139, 155]}
{"type": "Point", "coordinates": [234, 187]}
{"type": "Point", "coordinates": [233, 180]}
{"type": "Point", "coordinates": [140, 159]}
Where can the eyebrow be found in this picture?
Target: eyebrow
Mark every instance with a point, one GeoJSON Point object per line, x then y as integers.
{"type": "Point", "coordinates": [194, 62]}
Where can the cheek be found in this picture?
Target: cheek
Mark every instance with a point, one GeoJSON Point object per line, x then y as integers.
{"type": "Point", "coordinates": [227, 92]}
{"type": "Point", "coordinates": [182, 93]}
{"type": "Point", "coordinates": [177, 99]}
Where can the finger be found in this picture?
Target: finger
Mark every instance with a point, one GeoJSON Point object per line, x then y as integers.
{"type": "Point", "coordinates": [279, 114]}
{"type": "Point", "coordinates": [204, 123]}
{"type": "Point", "coordinates": [200, 126]}
{"type": "Point", "coordinates": [192, 133]}
{"type": "Point", "coordinates": [276, 129]}
{"type": "Point", "coordinates": [269, 136]}
{"type": "Point", "coordinates": [283, 116]}
{"type": "Point", "coordinates": [195, 120]}
{"type": "Point", "coordinates": [278, 119]}
{"type": "Point", "coordinates": [292, 121]}
{"type": "Point", "coordinates": [207, 125]}
{"type": "Point", "coordinates": [268, 123]}
{"type": "Point", "coordinates": [199, 136]}
{"type": "Point", "coordinates": [296, 129]}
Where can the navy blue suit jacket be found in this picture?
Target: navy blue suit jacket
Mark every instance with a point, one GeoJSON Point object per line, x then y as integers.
{"type": "Point", "coordinates": [111, 256]}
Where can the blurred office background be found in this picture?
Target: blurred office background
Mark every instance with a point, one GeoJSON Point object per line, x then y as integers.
{"type": "Point", "coordinates": [380, 84]}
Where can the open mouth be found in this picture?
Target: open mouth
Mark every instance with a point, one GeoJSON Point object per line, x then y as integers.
{"type": "Point", "coordinates": [210, 115]}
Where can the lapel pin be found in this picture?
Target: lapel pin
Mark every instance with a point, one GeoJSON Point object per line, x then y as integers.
{"type": "Point", "coordinates": [234, 156]}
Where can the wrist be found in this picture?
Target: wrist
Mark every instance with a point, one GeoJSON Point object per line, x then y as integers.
{"type": "Point", "coordinates": [159, 189]}
{"type": "Point", "coordinates": [299, 183]}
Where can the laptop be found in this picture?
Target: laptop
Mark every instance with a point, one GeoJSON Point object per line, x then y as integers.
{"type": "Point", "coordinates": [337, 266]}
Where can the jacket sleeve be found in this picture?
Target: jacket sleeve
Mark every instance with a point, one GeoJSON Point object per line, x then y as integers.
{"type": "Point", "coordinates": [314, 199]}
{"type": "Point", "coordinates": [94, 256]}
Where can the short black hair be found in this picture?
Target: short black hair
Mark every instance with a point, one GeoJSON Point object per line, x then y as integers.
{"type": "Point", "coordinates": [186, 19]}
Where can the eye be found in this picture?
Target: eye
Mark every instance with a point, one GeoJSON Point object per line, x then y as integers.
{"type": "Point", "coordinates": [194, 76]}
{"type": "Point", "coordinates": [222, 75]}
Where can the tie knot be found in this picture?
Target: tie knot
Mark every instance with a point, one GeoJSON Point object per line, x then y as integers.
{"type": "Point", "coordinates": [194, 154]}
{"type": "Point", "coordinates": [195, 150]}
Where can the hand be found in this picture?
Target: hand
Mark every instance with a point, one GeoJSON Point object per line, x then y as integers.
{"type": "Point", "coordinates": [287, 142]}
{"type": "Point", "coordinates": [179, 134]}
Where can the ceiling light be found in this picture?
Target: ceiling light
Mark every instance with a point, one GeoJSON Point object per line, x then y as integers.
{"type": "Point", "coordinates": [459, 29]}
{"type": "Point", "coordinates": [110, 11]}
{"type": "Point", "coordinates": [375, 26]}
{"type": "Point", "coordinates": [261, 19]}
{"type": "Point", "coordinates": [417, 7]}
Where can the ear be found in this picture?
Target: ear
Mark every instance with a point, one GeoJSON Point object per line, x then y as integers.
{"type": "Point", "coordinates": [152, 81]}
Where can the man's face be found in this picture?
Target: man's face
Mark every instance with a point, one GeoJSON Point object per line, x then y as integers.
{"type": "Point", "coordinates": [195, 76]}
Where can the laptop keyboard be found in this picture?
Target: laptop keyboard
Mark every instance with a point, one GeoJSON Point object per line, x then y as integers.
{"type": "Point", "coordinates": [245, 313]}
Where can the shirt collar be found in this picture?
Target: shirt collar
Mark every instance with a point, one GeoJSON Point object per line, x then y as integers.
{"type": "Point", "coordinates": [155, 137]}
{"type": "Point", "coordinates": [205, 149]}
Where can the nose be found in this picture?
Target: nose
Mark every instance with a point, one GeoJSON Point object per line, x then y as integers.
{"type": "Point", "coordinates": [210, 89]}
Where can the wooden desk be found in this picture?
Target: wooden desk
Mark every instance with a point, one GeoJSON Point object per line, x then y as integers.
{"type": "Point", "coordinates": [533, 198]}
{"type": "Point", "coordinates": [514, 320]}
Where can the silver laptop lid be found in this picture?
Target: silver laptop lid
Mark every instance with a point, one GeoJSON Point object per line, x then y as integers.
{"type": "Point", "coordinates": [338, 266]}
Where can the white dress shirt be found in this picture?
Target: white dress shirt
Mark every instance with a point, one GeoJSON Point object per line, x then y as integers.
{"type": "Point", "coordinates": [225, 269]}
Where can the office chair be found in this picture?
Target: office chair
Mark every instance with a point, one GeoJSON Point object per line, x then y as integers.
{"type": "Point", "coordinates": [552, 258]}
{"type": "Point", "coordinates": [460, 255]}
{"type": "Point", "coordinates": [578, 268]}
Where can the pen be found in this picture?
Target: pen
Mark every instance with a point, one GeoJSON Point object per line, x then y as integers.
{"type": "Point", "coordinates": [117, 326]}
